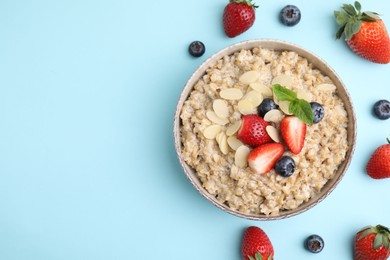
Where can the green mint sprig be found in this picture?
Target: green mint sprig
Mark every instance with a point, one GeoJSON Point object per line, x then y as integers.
{"type": "Point", "coordinates": [298, 107]}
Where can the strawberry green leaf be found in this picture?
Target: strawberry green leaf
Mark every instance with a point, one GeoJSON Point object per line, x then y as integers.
{"type": "Point", "coordinates": [340, 32]}
{"type": "Point", "coordinates": [283, 94]}
{"type": "Point", "coordinates": [386, 241]}
{"type": "Point", "coordinates": [372, 15]}
{"type": "Point", "coordinates": [349, 9]}
{"type": "Point", "coordinates": [302, 109]}
{"type": "Point", "coordinates": [378, 241]}
{"type": "Point", "coordinates": [258, 256]}
{"type": "Point", "coordinates": [366, 232]}
{"type": "Point", "coordinates": [341, 17]}
{"type": "Point", "coordinates": [352, 28]}
{"type": "Point", "coordinates": [358, 6]}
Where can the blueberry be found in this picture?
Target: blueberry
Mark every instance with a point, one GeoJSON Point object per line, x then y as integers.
{"type": "Point", "coordinates": [290, 15]}
{"type": "Point", "coordinates": [314, 243]}
{"type": "Point", "coordinates": [382, 109]}
{"type": "Point", "coordinates": [318, 112]}
{"type": "Point", "coordinates": [196, 48]}
{"type": "Point", "coordinates": [265, 106]}
{"type": "Point", "coordinates": [285, 166]}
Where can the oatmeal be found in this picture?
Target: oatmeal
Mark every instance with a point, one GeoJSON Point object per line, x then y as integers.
{"type": "Point", "coordinates": [211, 117]}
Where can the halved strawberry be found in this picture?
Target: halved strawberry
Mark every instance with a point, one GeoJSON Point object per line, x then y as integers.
{"type": "Point", "coordinates": [263, 158]}
{"type": "Point", "coordinates": [293, 132]}
{"type": "Point", "coordinates": [252, 131]}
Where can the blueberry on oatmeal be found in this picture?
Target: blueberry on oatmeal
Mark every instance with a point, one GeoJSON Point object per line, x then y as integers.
{"type": "Point", "coordinates": [318, 112]}
{"type": "Point", "coordinates": [265, 106]}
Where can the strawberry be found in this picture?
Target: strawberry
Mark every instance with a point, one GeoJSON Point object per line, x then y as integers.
{"type": "Point", "coordinates": [238, 17]}
{"type": "Point", "coordinates": [256, 245]}
{"type": "Point", "coordinates": [293, 132]}
{"type": "Point", "coordinates": [372, 243]}
{"type": "Point", "coordinates": [365, 33]}
{"type": "Point", "coordinates": [252, 131]}
{"type": "Point", "coordinates": [378, 167]}
{"type": "Point", "coordinates": [264, 157]}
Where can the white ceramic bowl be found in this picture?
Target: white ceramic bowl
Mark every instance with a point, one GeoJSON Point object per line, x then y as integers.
{"type": "Point", "coordinates": [317, 63]}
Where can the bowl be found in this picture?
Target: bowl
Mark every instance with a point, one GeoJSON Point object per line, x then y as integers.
{"type": "Point", "coordinates": [318, 63]}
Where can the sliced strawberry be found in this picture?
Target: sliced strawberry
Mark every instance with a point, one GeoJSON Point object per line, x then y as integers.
{"type": "Point", "coordinates": [253, 132]}
{"type": "Point", "coordinates": [293, 132]}
{"type": "Point", "coordinates": [263, 158]}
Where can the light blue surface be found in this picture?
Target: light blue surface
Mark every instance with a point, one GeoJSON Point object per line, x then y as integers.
{"type": "Point", "coordinates": [88, 170]}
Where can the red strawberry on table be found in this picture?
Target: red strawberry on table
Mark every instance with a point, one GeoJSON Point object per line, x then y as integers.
{"type": "Point", "coordinates": [365, 33]}
{"type": "Point", "coordinates": [293, 132]}
{"type": "Point", "coordinates": [372, 243]}
{"type": "Point", "coordinates": [238, 17]}
{"type": "Point", "coordinates": [252, 131]}
{"type": "Point", "coordinates": [378, 167]}
{"type": "Point", "coordinates": [264, 157]}
{"type": "Point", "coordinates": [256, 245]}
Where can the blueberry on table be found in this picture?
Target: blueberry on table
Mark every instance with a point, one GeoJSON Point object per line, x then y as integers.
{"type": "Point", "coordinates": [285, 166]}
{"type": "Point", "coordinates": [266, 105]}
{"type": "Point", "coordinates": [314, 243]}
{"type": "Point", "coordinates": [196, 48]}
{"type": "Point", "coordinates": [382, 109]}
{"type": "Point", "coordinates": [318, 112]}
{"type": "Point", "coordinates": [290, 15]}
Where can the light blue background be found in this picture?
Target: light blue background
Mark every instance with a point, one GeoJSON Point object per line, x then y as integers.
{"type": "Point", "coordinates": [88, 170]}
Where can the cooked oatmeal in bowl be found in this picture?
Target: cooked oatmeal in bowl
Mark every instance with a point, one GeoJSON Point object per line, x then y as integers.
{"type": "Point", "coordinates": [231, 150]}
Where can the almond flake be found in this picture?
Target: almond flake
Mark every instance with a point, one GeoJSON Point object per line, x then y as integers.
{"type": "Point", "coordinates": [246, 107]}
{"type": "Point", "coordinates": [254, 97]}
{"type": "Point", "coordinates": [212, 116]}
{"type": "Point", "coordinates": [241, 156]}
{"type": "Point", "coordinates": [222, 142]}
{"type": "Point", "coordinates": [273, 115]}
{"type": "Point", "coordinates": [326, 87]}
{"type": "Point", "coordinates": [284, 106]}
{"type": "Point", "coordinates": [303, 95]}
{"type": "Point", "coordinates": [249, 77]}
{"type": "Point", "coordinates": [231, 94]}
{"type": "Point", "coordinates": [263, 89]}
{"type": "Point", "coordinates": [283, 80]}
{"type": "Point", "coordinates": [233, 128]}
{"type": "Point", "coordinates": [273, 133]}
{"type": "Point", "coordinates": [233, 142]}
{"type": "Point", "coordinates": [211, 131]}
{"type": "Point", "coordinates": [221, 108]}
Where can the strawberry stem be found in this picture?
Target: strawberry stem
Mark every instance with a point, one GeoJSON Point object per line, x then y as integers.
{"type": "Point", "coordinates": [247, 2]}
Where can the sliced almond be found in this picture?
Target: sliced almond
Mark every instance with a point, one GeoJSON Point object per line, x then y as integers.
{"type": "Point", "coordinates": [274, 115]}
{"type": "Point", "coordinates": [231, 94]}
{"type": "Point", "coordinates": [221, 108]}
{"type": "Point", "coordinates": [233, 142]}
{"type": "Point", "coordinates": [273, 133]}
{"type": "Point", "coordinates": [254, 97]}
{"type": "Point", "coordinates": [212, 116]}
{"type": "Point", "coordinates": [284, 106]}
{"type": "Point", "coordinates": [249, 77]}
{"type": "Point", "coordinates": [233, 128]}
{"type": "Point", "coordinates": [241, 156]}
{"type": "Point", "coordinates": [326, 87]}
{"type": "Point", "coordinates": [261, 88]}
{"type": "Point", "coordinates": [284, 80]}
{"type": "Point", "coordinates": [222, 142]}
{"type": "Point", "coordinates": [246, 107]}
{"type": "Point", "coordinates": [302, 94]}
{"type": "Point", "coordinates": [211, 131]}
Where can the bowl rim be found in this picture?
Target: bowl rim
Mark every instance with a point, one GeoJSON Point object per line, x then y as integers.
{"type": "Point", "coordinates": [273, 44]}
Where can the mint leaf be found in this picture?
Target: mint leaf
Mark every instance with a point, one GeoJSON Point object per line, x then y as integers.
{"type": "Point", "coordinates": [302, 109]}
{"type": "Point", "coordinates": [283, 94]}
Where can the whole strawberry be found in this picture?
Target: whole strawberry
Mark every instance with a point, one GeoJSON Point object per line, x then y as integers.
{"type": "Point", "coordinates": [364, 32]}
{"type": "Point", "coordinates": [372, 243]}
{"type": "Point", "coordinates": [253, 131]}
{"type": "Point", "coordinates": [378, 167]}
{"type": "Point", "coordinates": [238, 17]}
{"type": "Point", "coordinates": [256, 245]}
